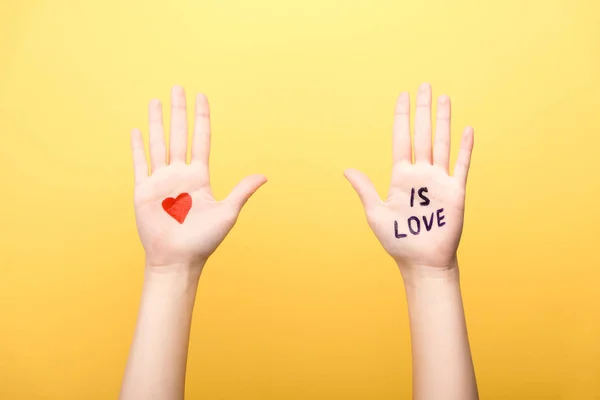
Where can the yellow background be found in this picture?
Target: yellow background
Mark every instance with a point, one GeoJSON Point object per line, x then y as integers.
{"type": "Point", "coordinates": [300, 301]}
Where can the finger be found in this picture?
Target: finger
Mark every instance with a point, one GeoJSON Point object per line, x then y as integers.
{"type": "Point", "coordinates": [178, 140]}
{"type": "Point", "coordinates": [401, 144]}
{"type": "Point", "coordinates": [463, 161]}
{"type": "Point", "coordinates": [243, 190]}
{"type": "Point", "coordinates": [441, 147]}
{"type": "Point", "coordinates": [364, 188]}
{"type": "Point", "coordinates": [201, 139]}
{"type": "Point", "coordinates": [140, 165]}
{"type": "Point", "coordinates": [158, 152]}
{"type": "Point", "coordinates": [423, 124]}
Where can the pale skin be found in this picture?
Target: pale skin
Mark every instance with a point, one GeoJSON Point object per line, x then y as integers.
{"type": "Point", "coordinates": [175, 252]}
{"type": "Point", "coordinates": [442, 363]}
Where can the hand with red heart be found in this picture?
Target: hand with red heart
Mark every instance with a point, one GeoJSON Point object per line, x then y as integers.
{"type": "Point", "coordinates": [178, 219]}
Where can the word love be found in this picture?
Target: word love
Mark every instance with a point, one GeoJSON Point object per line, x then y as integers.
{"type": "Point", "coordinates": [414, 223]}
{"type": "Point", "coordinates": [179, 207]}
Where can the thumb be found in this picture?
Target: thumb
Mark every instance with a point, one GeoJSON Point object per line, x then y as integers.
{"type": "Point", "coordinates": [244, 189]}
{"type": "Point", "coordinates": [363, 187]}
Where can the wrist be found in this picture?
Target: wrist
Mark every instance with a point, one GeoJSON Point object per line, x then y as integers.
{"type": "Point", "coordinates": [423, 275]}
{"type": "Point", "coordinates": [432, 287]}
{"type": "Point", "coordinates": [175, 273]}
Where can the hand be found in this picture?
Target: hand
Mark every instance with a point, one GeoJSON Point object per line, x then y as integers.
{"type": "Point", "coordinates": [185, 239]}
{"type": "Point", "coordinates": [421, 221]}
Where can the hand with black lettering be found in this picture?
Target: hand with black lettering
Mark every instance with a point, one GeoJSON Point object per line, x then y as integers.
{"type": "Point", "coordinates": [420, 222]}
{"type": "Point", "coordinates": [180, 225]}
{"type": "Point", "coordinates": [420, 225]}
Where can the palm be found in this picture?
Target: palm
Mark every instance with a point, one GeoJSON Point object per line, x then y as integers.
{"type": "Point", "coordinates": [420, 223]}
{"type": "Point", "coordinates": [427, 247]}
{"type": "Point", "coordinates": [195, 237]}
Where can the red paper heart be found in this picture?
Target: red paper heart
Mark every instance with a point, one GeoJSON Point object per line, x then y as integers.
{"type": "Point", "coordinates": [179, 207]}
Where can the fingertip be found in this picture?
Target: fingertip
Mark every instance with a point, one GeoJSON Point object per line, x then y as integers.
{"type": "Point", "coordinates": [154, 105]}
{"type": "Point", "coordinates": [202, 106]}
{"type": "Point", "coordinates": [444, 99]}
{"type": "Point", "coordinates": [469, 136]}
{"type": "Point", "coordinates": [348, 172]}
{"type": "Point", "coordinates": [244, 190]}
{"type": "Point", "coordinates": [403, 104]}
{"type": "Point", "coordinates": [424, 95]}
{"type": "Point", "coordinates": [137, 142]}
{"type": "Point", "coordinates": [178, 94]}
{"type": "Point", "coordinates": [356, 178]}
{"type": "Point", "coordinates": [425, 87]}
{"type": "Point", "coordinates": [262, 179]}
{"type": "Point", "coordinates": [178, 98]}
{"type": "Point", "coordinates": [256, 181]}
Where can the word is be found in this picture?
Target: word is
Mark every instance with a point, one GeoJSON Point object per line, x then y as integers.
{"type": "Point", "coordinates": [425, 199]}
{"type": "Point", "coordinates": [414, 223]}
{"type": "Point", "coordinates": [178, 207]}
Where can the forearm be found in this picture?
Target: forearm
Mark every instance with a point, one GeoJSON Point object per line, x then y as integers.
{"type": "Point", "coordinates": [442, 364]}
{"type": "Point", "coordinates": [157, 361]}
